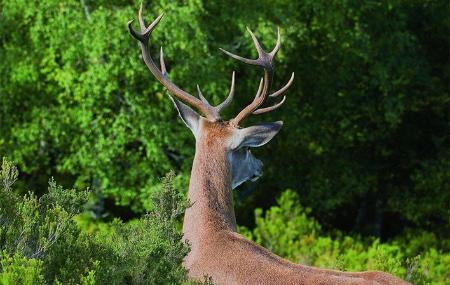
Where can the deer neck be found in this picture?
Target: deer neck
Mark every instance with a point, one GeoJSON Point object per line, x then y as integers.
{"type": "Point", "coordinates": [210, 196]}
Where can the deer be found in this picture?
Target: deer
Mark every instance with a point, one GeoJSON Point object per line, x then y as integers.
{"type": "Point", "coordinates": [222, 161]}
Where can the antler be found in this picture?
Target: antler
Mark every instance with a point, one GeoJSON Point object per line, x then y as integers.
{"type": "Point", "coordinates": [219, 108]}
{"type": "Point", "coordinates": [265, 60]}
{"type": "Point", "coordinates": [201, 104]}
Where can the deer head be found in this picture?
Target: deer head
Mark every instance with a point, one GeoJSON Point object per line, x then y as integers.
{"type": "Point", "coordinates": [210, 130]}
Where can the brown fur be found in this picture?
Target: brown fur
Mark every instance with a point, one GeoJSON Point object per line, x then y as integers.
{"type": "Point", "coordinates": [218, 251]}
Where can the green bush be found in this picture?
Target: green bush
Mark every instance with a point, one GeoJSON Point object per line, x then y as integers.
{"type": "Point", "coordinates": [290, 231]}
{"type": "Point", "coordinates": [48, 240]}
{"type": "Point", "coordinates": [17, 269]}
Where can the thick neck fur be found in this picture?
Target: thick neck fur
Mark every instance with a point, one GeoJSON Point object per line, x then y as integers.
{"type": "Point", "coordinates": [210, 192]}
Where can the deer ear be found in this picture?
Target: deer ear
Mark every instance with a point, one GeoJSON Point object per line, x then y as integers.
{"type": "Point", "coordinates": [189, 116]}
{"type": "Point", "coordinates": [255, 136]}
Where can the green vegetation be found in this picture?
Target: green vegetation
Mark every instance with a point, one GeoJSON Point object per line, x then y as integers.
{"type": "Point", "coordinates": [53, 240]}
{"type": "Point", "coordinates": [289, 230]}
{"type": "Point", "coordinates": [365, 130]}
{"type": "Point", "coordinates": [47, 240]}
{"type": "Point", "coordinates": [364, 144]}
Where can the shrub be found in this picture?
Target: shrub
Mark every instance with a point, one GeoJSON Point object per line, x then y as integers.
{"type": "Point", "coordinates": [288, 230]}
{"type": "Point", "coordinates": [17, 269]}
{"type": "Point", "coordinates": [48, 240]}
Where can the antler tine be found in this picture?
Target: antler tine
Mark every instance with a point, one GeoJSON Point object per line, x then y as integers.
{"type": "Point", "coordinates": [284, 88]}
{"type": "Point", "coordinates": [256, 43]}
{"type": "Point", "coordinates": [219, 108]}
{"type": "Point", "coordinates": [260, 89]}
{"type": "Point", "coordinates": [230, 97]}
{"type": "Point", "coordinates": [240, 58]}
{"type": "Point", "coordinates": [276, 94]}
{"type": "Point", "coordinates": [144, 36]}
{"type": "Point", "coordinates": [271, 108]}
{"type": "Point", "coordinates": [162, 64]}
{"type": "Point", "coordinates": [200, 95]}
{"type": "Point", "coordinates": [257, 101]}
{"type": "Point", "coordinates": [140, 17]}
{"type": "Point", "coordinates": [264, 60]}
{"type": "Point", "coordinates": [277, 45]}
{"type": "Point", "coordinates": [161, 75]}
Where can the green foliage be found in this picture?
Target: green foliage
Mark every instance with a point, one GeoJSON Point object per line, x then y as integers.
{"type": "Point", "coordinates": [47, 240]}
{"type": "Point", "coordinates": [86, 96]}
{"type": "Point", "coordinates": [17, 269]}
{"type": "Point", "coordinates": [365, 139]}
{"type": "Point", "coordinates": [365, 124]}
{"type": "Point", "coordinates": [290, 231]}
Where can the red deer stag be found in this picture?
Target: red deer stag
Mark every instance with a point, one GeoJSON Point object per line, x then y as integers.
{"type": "Point", "coordinates": [223, 161]}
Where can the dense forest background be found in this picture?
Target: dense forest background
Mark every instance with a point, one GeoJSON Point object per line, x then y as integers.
{"type": "Point", "coordinates": [365, 140]}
